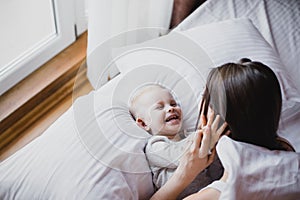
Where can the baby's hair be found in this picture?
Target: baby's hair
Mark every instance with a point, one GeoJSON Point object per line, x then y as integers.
{"type": "Point", "coordinates": [137, 93]}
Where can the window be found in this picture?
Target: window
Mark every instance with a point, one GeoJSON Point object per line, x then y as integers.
{"type": "Point", "coordinates": [32, 32]}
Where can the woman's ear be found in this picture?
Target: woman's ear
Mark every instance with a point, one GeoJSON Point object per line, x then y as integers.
{"type": "Point", "coordinates": [142, 124]}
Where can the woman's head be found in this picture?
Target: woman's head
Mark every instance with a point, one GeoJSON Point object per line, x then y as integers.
{"type": "Point", "coordinates": [247, 95]}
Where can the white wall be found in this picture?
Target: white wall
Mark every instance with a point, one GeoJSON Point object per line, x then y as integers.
{"type": "Point", "coordinates": [110, 18]}
{"type": "Point", "coordinates": [81, 16]}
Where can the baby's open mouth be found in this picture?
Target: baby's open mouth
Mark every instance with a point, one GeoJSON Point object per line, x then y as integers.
{"type": "Point", "coordinates": [172, 117]}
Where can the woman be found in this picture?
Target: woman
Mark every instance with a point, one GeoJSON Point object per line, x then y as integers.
{"type": "Point", "coordinates": [247, 96]}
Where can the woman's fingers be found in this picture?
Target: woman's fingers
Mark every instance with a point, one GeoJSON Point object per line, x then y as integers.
{"type": "Point", "coordinates": [191, 164]}
{"type": "Point", "coordinates": [227, 132]}
{"type": "Point", "coordinates": [216, 133]}
{"type": "Point", "coordinates": [202, 118]}
{"type": "Point", "coordinates": [211, 157]}
{"type": "Point", "coordinates": [203, 121]}
{"type": "Point", "coordinates": [215, 123]}
{"type": "Point", "coordinates": [197, 140]}
{"type": "Point", "coordinates": [205, 142]}
{"type": "Point", "coordinates": [210, 116]}
{"type": "Point", "coordinates": [223, 127]}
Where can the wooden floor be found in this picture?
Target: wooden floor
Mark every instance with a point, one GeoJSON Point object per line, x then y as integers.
{"type": "Point", "coordinates": [38, 127]}
{"type": "Point", "coordinates": [59, 96]}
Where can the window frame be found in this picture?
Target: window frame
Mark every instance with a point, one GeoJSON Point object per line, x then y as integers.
{"type": "Point", "coordinates": [64, 36]}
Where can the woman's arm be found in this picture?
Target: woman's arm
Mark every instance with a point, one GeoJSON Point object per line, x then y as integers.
{"type": "Point", "coordinates": [207, 194]}
{"type": "Point", "coordinates": [211, 193]}
{"type": "Point", "coordinates": [194, 160]}
{"type": "Point", "coordinates": [191, 164]}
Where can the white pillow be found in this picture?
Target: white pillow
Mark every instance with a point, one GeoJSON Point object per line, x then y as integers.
{"type": "Point", "coordinates": [220, 42]}
{"type": "Point", "coordinates": [113, 138]}
{"type": "Point", "coordinates": [258, 173]}
{"type": "Point", "coordinates": [276, 20]}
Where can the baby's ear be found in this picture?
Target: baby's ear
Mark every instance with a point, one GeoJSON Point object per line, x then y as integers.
{"type": "Point", "coordinates": [142, 124]}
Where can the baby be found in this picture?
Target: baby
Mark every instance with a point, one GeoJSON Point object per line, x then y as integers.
{"type": "Point", "coordinates": [155, 110]}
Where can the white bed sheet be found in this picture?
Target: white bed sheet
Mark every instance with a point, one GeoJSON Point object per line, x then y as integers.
{"type": "Point", "coordinates": [58, 164]}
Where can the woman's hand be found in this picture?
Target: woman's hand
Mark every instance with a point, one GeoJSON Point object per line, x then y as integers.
{"type": "Point", "coordinates": [194, 160]}
{"type": "Point", "coordinates": [212, 122]}
{"type": "Point", "coordinates": [196, 157]}
{"type": "Point", "coordinates": [215, 131]}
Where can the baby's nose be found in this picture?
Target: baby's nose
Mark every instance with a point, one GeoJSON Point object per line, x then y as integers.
{"type": "Point", "coordinates": [171, 109]}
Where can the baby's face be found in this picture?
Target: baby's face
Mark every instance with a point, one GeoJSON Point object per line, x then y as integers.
{"type": "Point", "coordinates": [160, 112]}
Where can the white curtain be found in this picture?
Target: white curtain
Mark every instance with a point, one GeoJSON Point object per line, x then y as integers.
{"type": "Point", "coordinates": [112, 23]}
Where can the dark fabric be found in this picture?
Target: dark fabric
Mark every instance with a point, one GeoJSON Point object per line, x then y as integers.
{"type": "Point", "coordinates": [182, 8]}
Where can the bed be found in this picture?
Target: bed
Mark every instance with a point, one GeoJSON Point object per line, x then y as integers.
{"type": "Point", "coordinates": [95, 151]}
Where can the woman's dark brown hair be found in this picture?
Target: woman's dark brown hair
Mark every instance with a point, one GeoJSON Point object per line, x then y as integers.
{"type": "Point", "coordinates": [247, 96]}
